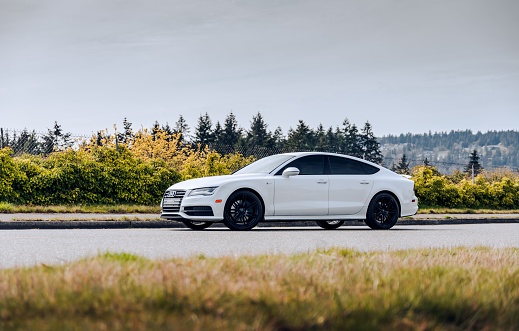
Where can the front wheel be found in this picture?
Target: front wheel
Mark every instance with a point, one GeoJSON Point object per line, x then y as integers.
{"type": "Point", "coordinates": [195, 225]}
{"type": "Point", "coordinates": [383, 212]}
{"type": "Point", "coordinates": [330, 225]}
{"type": "Point", "coordinates": [243, 211]}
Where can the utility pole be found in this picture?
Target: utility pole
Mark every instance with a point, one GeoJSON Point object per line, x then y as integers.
{"type": "Point", "coordinates": [1, 138]}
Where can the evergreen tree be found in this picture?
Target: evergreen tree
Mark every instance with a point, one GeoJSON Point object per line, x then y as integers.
{"type": "Point", "coordinates": [203, 130]}
{"type": "Point", "coordinates": [402, 167]}
{"type": "Point", "coordinates": [155, 129]}
{"type": "Point", "coordinates": [353, 143]}
{"type": "Point", "coordinates": [168, 131]}
{"type": "Point", "coordinates": [426, 162]}
{"type": "Point", "coordinates": [182, 128]}
{"type": "Point", "coordinates": [231, 133]}
{"type": "Point", "coordinates": [302, 138]}
{"type": "Point", "coordinates": [99, 138]}
{"type": "Point", "coordinates": [56, 139]}
{"type": "Point", "coordinates": [321, 139]}
{"type": "Point", "coordinates": [370, 145]}
{"type": "Point", "coordinates": [473, 167]}
{"type": "Point", "coordinates": [26, 142]}
{"type": "Point", "coordinates": [278, 138]}
{"type": "Point", "coordinates": [218, 133]}
{"type": "Point", "coordinates": [127, 135]}
{"type": "Point", "coordinates": [258, 136]}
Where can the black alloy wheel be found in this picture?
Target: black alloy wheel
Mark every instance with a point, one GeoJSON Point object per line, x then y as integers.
{"type": "Point", "coordinates": [197, 225]}
{"type": "Point", "coordinates": [243, 211]}
{"type": "Point", "coordinates": [383, 212]}
{"type": "Point", "coordinates": [330, 225]}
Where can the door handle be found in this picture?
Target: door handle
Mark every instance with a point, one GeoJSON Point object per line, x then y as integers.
{"type": "Point", "coordinates": [322, 181]}
{"type": "Point", "coordinates": [364, 182]}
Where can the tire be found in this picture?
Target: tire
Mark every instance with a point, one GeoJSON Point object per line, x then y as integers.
{"type": "Point", "coordinates": [243, 210]}
{"type": "Point", "coordinates": [197, 225]}
{"type": "Point", "coordinates": [329, 225]}
{"type": "Point", "coordinates": [383, 212]}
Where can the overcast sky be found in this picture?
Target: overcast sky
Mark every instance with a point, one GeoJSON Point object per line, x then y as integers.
{"type": "Point", "coordinates": [402, 65]}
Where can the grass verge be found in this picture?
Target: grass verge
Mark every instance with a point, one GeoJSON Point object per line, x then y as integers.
{"type": "Point", "coordinates": [8, 208]}
{"type": "Point", "coordinates": [441, 210]}
{"type": "Point", "coordinates": [336, 289]}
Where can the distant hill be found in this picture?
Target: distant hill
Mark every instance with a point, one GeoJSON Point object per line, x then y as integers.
{"type": "Point", "coordinates": [449, 151]}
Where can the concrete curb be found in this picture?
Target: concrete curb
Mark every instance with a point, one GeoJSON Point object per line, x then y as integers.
{"type": "Point", "coordinates": [150, 224]}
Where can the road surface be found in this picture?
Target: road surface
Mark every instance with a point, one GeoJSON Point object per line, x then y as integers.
{"type": "Point", "coordinates": [33, 247]}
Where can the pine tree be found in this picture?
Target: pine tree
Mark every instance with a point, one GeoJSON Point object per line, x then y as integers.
{"type": "Point", "coordinates": [56, 139]}
{"type": "Point", "coordinates": [302, 138]}
{"type": "Point", "coordinates": [126, 136]}
{"type": "Point", "coordinates": [473, 168]}
{"type": "Point", "coordinates": [402, 167]}
{"type": "Point", "coordinates": [231, 133]}
{"type": "Point", "coordinates": [332, 140]}
{"type": "Point", "coordinates": [182, 128]}
{"type": "Point", "coordinates": [278, 138]}
{"type": "Point", "coordinates": [26, 142]}
{"type": "Point", "coordinates": [370, 145]}
{"type": "Point", "coordinates": [353, 142]}
{"type": "Point", "coordinates": [155, 129]}
{"type": "Point", "coordinates": [258, 136]}
{"type": "Point", "coordinates": [203, 130]}
{"type": "Point", "coordinates": [218, 133]}
{"type": "Point", "coordinates": [321, 139]}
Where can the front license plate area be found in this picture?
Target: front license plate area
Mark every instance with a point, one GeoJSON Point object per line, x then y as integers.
{"type": "Point", "coordinates": [172, 201]}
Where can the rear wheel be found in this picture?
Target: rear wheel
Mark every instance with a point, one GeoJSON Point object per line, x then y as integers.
{"type": "Point", "coordinates": [196, 225]}
{"type": "Point", "coordinates": [383, 212]}
{"type": "Point", "coordinates": [330, 225]}
{"type": "Point", "coordinates": [243, 211]}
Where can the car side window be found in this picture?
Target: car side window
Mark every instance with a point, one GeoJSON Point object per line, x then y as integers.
{"type": "Point", "coordinates": [307, 165]}
{"type": "Point", "coordinates": [345, 166]}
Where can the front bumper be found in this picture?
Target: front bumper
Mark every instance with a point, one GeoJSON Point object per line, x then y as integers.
{"type": "Point", "coordinates": [197, 208]}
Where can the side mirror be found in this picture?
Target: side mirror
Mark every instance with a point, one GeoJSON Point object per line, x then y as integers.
{"type": "Point", "coordinates": [290, 171]}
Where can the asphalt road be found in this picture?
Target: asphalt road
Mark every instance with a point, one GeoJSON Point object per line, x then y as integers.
{"type": "Point", "coordinates": [32, 247]}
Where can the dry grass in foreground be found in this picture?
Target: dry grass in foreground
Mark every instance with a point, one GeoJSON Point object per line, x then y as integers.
{"type": "Point", "coordinates": [337, 289]}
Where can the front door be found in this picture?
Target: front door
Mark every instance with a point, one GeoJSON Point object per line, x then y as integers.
{"type": "Point", "coordinates": [305, 194]}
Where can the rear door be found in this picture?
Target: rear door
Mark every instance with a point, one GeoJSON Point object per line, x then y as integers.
{"type": "Point", "coordinates": [351, 182]}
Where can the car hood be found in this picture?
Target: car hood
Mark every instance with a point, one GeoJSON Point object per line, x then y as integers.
{"type": "Point", "coordinates": [212, 181]}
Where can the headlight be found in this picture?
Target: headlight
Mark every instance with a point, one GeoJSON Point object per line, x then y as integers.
{"type": "Point", "coordinates": [205, 191]}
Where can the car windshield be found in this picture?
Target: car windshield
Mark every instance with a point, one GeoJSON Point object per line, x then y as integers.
{"type": "Point", "coordinates": [265, 165]}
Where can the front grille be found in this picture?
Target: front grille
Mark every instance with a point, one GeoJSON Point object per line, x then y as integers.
{"type": "Point", "coordinates": [172, 200]}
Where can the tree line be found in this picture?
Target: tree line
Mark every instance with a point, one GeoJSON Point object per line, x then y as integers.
{"type": "Point", "coordinates": [258, 140]}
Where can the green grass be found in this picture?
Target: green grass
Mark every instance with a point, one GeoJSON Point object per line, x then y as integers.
{"type": "Point", "coordinates": [336, 289]}
{"type": "Point", "coordinates": [98, 209]}
{"type": "Point", "coordinates": [442, 210]}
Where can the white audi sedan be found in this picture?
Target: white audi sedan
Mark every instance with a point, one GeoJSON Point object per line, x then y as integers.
{"type": "Point", "coordinates": [323, 187]}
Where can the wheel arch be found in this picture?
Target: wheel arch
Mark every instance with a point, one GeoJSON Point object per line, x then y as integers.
{"type": "Point", "coordinates": [252, 191]}
{"type": "Point", "coordinates": [394, 196]}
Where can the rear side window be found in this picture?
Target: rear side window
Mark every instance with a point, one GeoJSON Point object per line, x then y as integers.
{"type": "Point", "coordinates": [307, 165]}
{"type": "Point", "coordinates": [345, 166]}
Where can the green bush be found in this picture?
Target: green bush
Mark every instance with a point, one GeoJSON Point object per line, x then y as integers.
{"type": "Point", "coordinates": [495, 190]}
{"type": "Point", "coordinates": [100, 176]}
{"type": "Point", "coordinates": [105, 175]}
